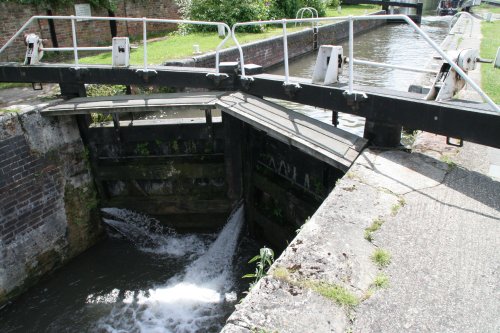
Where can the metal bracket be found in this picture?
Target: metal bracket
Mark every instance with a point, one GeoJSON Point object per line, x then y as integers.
{"type": "Point", "coordinates": [146, 73]}
{"type": "Point", "coordinates": [460, 142]}
{"type": "Point", "coordinates": [79, 71]}
{"type": "Point", "coordinates": [37, 86]}
{"type": "Point", "coordinates": [245, 82]}
{"type": "Point", "coordinates": [355, 96]}
{"type": "Point", "coordinates": [217, 78]}
{"type": "Point", "coordinates": [291, 88]}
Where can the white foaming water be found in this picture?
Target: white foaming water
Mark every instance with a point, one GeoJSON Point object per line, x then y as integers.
{"type": "Point", "coordinates": [150, 236]}
{"type": "Point", "coordinates": [189, 302]}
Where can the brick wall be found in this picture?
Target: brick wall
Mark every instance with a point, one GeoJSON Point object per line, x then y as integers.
{"type": "Point", "coordinates": [48, 203]}
{"type": "Point", "coordinates": [30, 185]}
{"type": "Point", "coordinates": [89, 33]}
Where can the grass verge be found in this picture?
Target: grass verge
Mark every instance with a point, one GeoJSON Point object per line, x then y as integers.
{"type": "Point", "coordinates": [490, 76]}
{"type": "Point", "coordinates": [8, 85]}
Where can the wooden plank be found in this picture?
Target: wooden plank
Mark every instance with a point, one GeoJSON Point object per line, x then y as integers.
{"type": "Point", "coordinates": [327, 143]}
{"type": "Point", "coordinates": [158, 172]}
{"type": "Point", "coordinates": [134, 103]}
{"type": "Point", "coordinates": [296, 117]}
{"type": "Point", "coordinates": [163, 206]}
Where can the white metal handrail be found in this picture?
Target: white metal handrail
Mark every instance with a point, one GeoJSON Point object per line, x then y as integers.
{"type": "Point", "coordinates": [312, 10]}
{"type": "Point", "coordinates": [351, 20]}
{"type": "Point", "coordinates": [451, 24]}
{"type": "Point", "coordinates": [144, 21]}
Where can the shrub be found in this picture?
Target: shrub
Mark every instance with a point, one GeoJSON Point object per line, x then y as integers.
{"type": "Point", "coordinates": [284, 8]}
{"type": "Point", "coordinates": [229, 12]}
{"type": "Point", "coordinates": [320, 5]}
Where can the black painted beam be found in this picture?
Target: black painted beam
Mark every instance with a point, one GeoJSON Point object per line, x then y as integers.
{"type": "Point", "coordinates": [160, 76]}
{"type": "Point", "coordinates": [469, 121]}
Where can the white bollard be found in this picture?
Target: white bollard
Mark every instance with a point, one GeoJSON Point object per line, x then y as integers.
{"type": "Point", "coordinates": [329, 64]}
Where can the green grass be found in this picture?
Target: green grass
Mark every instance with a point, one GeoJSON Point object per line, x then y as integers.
{"type": "Point", "coordinates": [377, 223]}
{"type": "Point", "coordinates": [336, 293]}
{"type": "Point", "coordinates": [381, 281]}
{"type": "Point", "coordinates": [176, 46]}
{"type": "Point", "coordinates": [352, 10]}
{"type": "Point", "coordinates": [486, 8]}
{"type": "Point", "coordinates": [396, 207]}
{"type": "Point", "coordinates": [7, 85]}
{"type": "Point", "coordinates": [381, 257]}
{"type": "Point", "coordinates": [9, 110]}
{"type": "Point", "coordinates": [490, 76]}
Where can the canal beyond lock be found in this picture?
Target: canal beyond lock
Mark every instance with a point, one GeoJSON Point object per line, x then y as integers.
{"type": "Point", "coordinates": [395, 44]}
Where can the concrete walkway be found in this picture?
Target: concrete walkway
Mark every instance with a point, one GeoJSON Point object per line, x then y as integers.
{"type": "Point", "coordinates": [21, 98]}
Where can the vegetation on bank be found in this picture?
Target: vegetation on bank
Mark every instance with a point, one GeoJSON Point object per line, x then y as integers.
{"type": "Point", "coordinates": [484, 7]}
{"type": "Point", "coordinates": [7, 85]}
{"type": "Point", "coordinates": [490, 76]}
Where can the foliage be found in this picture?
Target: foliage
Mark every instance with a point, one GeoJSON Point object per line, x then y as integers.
{"type": "Point", "coordinates": [264, 260]}
{"type": "Point", "coordinates": [381, 281]}
{"type": "Point", "coordinates": [336, 293]}
{"type": "Point", "coordinates": [334, 3]}
{"type": "Point", "coordinates": [381, 257]}
{"type": "Point", "coordinates": [94, 90]}
{"type": "Point", "coordinates": [319, 5]}
{"type": "Point", "coordinates": [229, 12]}
{"type": "Point", "coordinates": [490, 76]}
{"type": "Point", "coordinates": [284, 8]}
{"type": "Point", "coordinates": [107, 4]}
{"type": "Point", "coordinates": [377, 223]}
{"type": "Point", "coordinates": [232, 11]}
{"type": "Point", "coordinates": [8, 85]}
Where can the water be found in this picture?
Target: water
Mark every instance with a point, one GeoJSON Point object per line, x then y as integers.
{"type": "Point", "coordinates": [143, 278]}
{"type": "Point", "coordinates": [394, 44]}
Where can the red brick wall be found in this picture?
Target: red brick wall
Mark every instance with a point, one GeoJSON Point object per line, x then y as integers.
{"type": "Point", "coordinates": [89, 33]}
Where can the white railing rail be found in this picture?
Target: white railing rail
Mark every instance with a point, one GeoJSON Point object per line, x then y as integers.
{"type": "Point", "coordinates": [351, 20]}
{"type": "Point", "coordinates": [143, 20]}
{"type": "Point", "coordinates": [312, 10]}
{"type": "Point", "coordinates": [454, 20]}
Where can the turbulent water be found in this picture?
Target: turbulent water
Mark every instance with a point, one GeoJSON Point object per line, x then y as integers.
{"type": "Point", "coordinates": [192, 301]}
{"type": "Point", "coordinates": [143, 278]}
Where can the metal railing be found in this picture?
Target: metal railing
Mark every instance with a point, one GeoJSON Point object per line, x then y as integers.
{"type": "Point", "coordinates": [453, 21]}
{"type": "Point", "coordinates": [351, 20]}
{"type": "Point", "coordinates": [143, 20]}
{"type": "Point", "coordinates": [312, 10]}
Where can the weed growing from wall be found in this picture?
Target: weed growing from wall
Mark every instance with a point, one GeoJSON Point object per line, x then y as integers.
{"type": "Point", "coordinates": [264, 260]}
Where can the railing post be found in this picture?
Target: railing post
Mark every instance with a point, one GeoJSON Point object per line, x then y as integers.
{"type": "Point", "coordinates": [351, 53]}
{"type": "Point", "coordinates": [145, 43]}
{"type": "Point", "coordinates": [285, 51]}
{"type": "Point", "coordinates": [75, 46]}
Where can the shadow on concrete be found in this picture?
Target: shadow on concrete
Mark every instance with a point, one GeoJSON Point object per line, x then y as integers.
{"type": "Point", "coordinates": [470, 183]}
